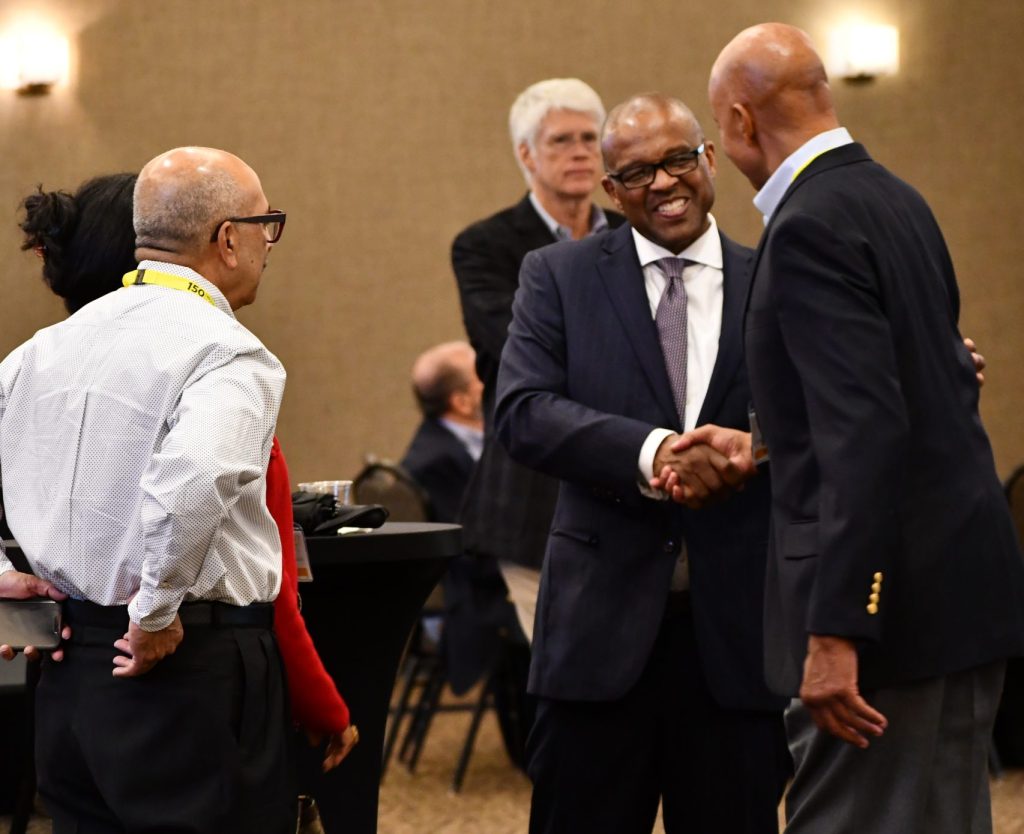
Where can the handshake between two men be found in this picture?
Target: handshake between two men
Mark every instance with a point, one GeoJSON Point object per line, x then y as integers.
{"type": "Point", "coordinates": [703, 466]}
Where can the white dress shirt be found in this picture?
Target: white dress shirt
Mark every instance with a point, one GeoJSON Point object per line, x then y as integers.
{"type": "Point", "coordinates": [703, 281]}
{"type": "Point", "coordinates": [768, 198]}
{"type": "Point", "coordinates": [134, 442]}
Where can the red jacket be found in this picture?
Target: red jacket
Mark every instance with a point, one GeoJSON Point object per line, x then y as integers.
{"type": "Point", "coordinates": [316, 704]}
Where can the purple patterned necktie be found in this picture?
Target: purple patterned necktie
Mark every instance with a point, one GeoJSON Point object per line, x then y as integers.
{"type": "Point", "coordinates": [670, 319]}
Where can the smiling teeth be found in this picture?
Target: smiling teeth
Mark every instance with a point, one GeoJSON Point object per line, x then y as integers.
{"type": "Point", "coordinates": [673, 207]}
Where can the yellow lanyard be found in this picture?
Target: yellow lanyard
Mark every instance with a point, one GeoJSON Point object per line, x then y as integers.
{"type": "Point", "coordinates": [165, 279]}
{"type": "Point", "coordinates": [800, 170]}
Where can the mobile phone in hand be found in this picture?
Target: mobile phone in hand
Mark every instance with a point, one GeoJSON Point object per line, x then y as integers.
{"type": "Point", "coordinates": [30, 622]}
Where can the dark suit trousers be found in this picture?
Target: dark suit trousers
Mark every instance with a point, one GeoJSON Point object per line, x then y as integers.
{"type": "Point", "coordinates": [196, 745]}
{"type": "Point", "coordinates": [603, 766]}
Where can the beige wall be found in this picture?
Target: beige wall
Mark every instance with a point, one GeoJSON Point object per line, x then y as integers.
{"type": "Point", "coordinates": [379, 125]}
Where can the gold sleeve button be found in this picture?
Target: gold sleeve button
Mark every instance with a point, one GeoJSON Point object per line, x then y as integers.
{"type": "Point", "coordinates": [878, 576]}
{"type": "Point", "coordinates": [872, 608]}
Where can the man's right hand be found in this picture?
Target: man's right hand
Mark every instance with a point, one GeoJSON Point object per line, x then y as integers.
{"type": "Point", "coordinates": [142, 650]}
{"type": "Point", "coordinates": [17, 585]}
{"type": "Point", "coordinates": [696, 474]}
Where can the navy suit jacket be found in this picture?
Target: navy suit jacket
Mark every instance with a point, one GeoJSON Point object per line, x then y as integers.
{"type": "Point", "coordinates": [582, 383]}
{"type": "Point", "coordinates": [440, 464]}
{"type": "Point", "coordinates": [889, 523]}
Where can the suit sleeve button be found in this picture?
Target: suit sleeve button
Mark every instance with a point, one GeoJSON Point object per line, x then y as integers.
{"type": "Point", "coordinates": [872, 608]}
{"type": "Point", "coordinates": [878, 576]}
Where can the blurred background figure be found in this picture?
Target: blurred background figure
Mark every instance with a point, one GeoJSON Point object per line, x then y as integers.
{"type": "Point", "coordinates": [449, 440]}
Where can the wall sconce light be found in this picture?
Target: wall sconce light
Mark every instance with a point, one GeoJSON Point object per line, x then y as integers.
{"type": "Point", "coordinates": [33, 59]}
{"type": "Point", "coordinates": [861, 51]}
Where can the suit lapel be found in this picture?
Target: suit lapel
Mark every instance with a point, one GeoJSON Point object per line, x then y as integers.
{"type": "Point", "coordinates": [619, 271]}
{"type": "Point", "coordinates": [736, 275]}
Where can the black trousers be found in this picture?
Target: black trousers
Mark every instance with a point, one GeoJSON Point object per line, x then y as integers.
{"type": "Point", "coordinates": [601, 767]}
{"type": "Point", "coordinates": [197, 745]}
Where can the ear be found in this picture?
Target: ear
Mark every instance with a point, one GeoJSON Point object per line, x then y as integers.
{"type": "Point", "coordinates": [526, 156]}
{"type": "Point", "coordinates": [227, 244]}
{"type": "Point", "coordinates": [709, 155]}
{"type": "Point", "coordinates": [743, 122]}
{"type": "Point", "coordinates": [458, 402]}
{"type": "Point", "coordinates": [608, 184]}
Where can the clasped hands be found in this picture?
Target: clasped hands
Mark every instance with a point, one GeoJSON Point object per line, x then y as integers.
{"type": "Point", "coordinates": [703, 466]}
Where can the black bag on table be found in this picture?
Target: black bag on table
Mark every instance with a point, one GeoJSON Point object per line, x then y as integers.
{"type": "Point", "coordinates": [321, 515]}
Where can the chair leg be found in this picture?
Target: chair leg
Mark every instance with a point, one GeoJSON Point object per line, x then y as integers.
{"type": "Point", "coordinates": [486, 700]}
{"type": "Point", "coordinates": [402, 709]}
{"type": "Point", "coordinates": [429, 702]}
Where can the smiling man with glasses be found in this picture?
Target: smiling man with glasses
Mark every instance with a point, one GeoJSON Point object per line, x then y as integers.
{"type": "Point", "coordinates": [647, 644]}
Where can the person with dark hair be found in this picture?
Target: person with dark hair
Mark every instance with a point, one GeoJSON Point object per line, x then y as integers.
{"type": "Point", "coordinates": [149, 512]}
{"type": "Point", "coordinates": [85, 239]}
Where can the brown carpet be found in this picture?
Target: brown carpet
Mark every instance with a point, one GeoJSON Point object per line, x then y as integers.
{"type": "Point", "coordinates": [495, 797]}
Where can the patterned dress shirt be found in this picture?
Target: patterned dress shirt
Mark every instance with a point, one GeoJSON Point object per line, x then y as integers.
{"type": "Point", "coordinates": [134, 441]}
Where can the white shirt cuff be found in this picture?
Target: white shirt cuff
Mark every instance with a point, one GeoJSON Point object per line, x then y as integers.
{"type": "Point", "coordinates": [645, 465]}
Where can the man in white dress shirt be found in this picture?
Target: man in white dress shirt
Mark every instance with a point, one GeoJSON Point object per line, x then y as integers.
{"type": "Point", "coordinates": [134, 441]}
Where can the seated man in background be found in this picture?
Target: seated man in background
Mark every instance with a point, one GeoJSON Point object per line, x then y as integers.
{"type": "Point", "coordinates": [440, 458]}
{"type": "Point", "coordinates": [447, 443]}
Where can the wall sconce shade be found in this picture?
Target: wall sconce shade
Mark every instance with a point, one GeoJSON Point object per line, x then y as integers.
{"type": "Point", "coordinates": [33, 60]}
{"type": "Point", "coordinates": [860, 52]}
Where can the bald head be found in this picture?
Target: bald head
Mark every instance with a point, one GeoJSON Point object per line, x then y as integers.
{"type": "Point", "coordinates": [769, 94]}
{"type": "Point", "coordinates": [445, 383]}
{"type": "Point", "coordinates": [637, 110]}
{"type": "Point", "coordinates": [182, 194]}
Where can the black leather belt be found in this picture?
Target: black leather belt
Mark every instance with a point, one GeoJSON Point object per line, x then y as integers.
{"type": "Point", "coordinates": [209, 614]}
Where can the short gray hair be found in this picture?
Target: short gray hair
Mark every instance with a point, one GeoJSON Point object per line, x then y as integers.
{"type": "Point", "coordinates": [537, 100]}
{"type": "Point", "coordinates": [187, 213]}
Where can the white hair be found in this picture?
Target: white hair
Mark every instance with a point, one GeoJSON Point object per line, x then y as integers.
{"type": "Point", "coordinates": [537, 100]}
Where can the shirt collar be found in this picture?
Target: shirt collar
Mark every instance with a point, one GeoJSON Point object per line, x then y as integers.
{"type": "Point", "coordinates": [598, 220]}
{"type": "Point", "coordinates": [770, 195]}
{"type": "Point", "coordinates": [191, 275]}
{"type": "Point", "coordinates": [707, 249]}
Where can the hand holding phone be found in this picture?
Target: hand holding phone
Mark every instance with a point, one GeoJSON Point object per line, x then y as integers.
{"type": "Point", "coordinates": [17, 624]}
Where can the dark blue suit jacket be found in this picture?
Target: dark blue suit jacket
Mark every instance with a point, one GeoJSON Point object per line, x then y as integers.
{"type": "Point", "coordinates": [440, 464]}
{"type": "Point", "coordinates": [882, 474]}
{"type": "Point", "coordinates": [582, 383]}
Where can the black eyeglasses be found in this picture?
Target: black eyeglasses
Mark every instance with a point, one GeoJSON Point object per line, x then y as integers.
{"type": "Point", "coordinates": [272, 223]}
{"type": "Point", "coordinates": [675, 166]}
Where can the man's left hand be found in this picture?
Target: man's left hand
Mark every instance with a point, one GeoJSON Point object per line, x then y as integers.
{"type": "Point", "coordinates": [142, 650]}
{"type": "Point", "coordinates": [829, 691]}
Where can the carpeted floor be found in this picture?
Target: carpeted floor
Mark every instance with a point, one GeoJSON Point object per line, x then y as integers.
{"type": "Point", "coordinates": [495, 798]}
